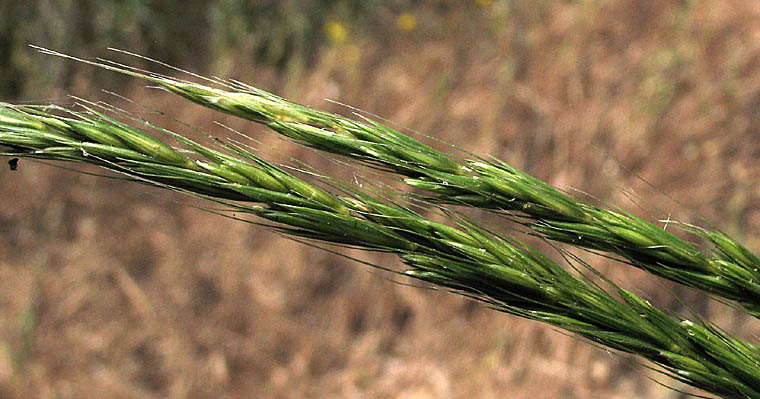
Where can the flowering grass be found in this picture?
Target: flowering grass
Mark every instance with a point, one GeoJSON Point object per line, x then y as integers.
{"type": "Point", "coordinates": [464, 258]}
{"type": "Point", "coordinates": [730, 271]}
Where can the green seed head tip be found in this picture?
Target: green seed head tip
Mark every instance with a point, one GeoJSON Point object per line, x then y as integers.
{"type": "Point", "coordinates": [224, 172]}
{"type": "Point", "coordinates": [148, 145]}
{"type": "Point", "coordinates": [55, 124]}
{"type": "Point", "coordinates": [311, 192]}
{"type": "Point", "coordinates": [237, 104]}
{"type": "Point", "coordinates": [633, 237]}
{"type": "Point", "coordinates": [734, 250]}
{"type": "Point", "coordinates": [445, 231]}
{"type": "Point", "coordinates": [11, 117]}
{"type": "Point", "coordinates": [356, 204]}
{"type": "Point", "coordinates": [257, 176]}
{"type": "Point", "coordinates": [427, 159]}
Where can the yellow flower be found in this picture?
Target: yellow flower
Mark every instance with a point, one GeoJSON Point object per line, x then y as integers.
{"type": "Point", "coordinates": [406, 22]}
{"type": "Point", "coordinates": [336, 32]}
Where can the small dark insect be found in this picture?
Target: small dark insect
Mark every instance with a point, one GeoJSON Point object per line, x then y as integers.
{"type": "Point", "coordinates": [13, 163]}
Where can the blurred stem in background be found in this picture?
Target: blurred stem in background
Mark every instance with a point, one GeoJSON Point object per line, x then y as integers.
{"type": "Point", "coordinates": [209, 37]}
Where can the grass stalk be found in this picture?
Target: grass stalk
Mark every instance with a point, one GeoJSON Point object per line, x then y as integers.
{"type": "Point", "coordinates": [501, 272]}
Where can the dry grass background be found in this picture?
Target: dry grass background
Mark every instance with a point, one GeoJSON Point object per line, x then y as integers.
{"type": "Point", "coordinates": [112, 289]}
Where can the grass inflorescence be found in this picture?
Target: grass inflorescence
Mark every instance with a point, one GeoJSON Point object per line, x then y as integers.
{"type": "Point", "coordinates": [502, 272]}
{"type": "Point", "coordinates": [731, 272]}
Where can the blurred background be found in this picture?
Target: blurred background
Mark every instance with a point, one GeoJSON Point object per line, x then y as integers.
{"type": "Point", "coordinates": [112, 289]}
